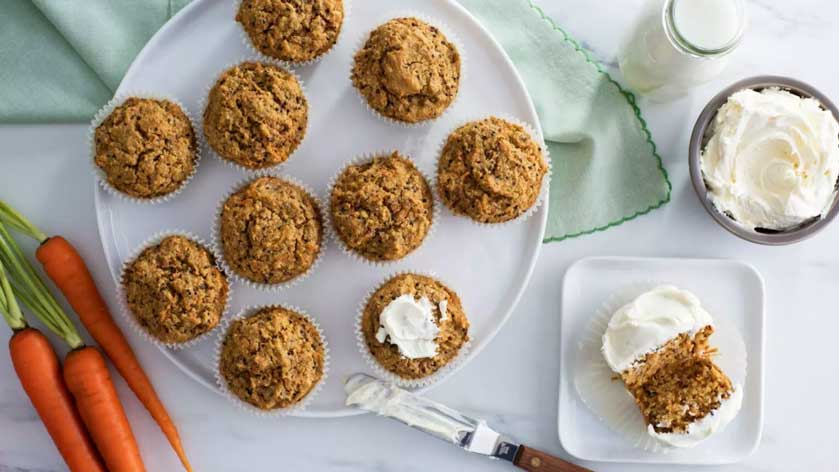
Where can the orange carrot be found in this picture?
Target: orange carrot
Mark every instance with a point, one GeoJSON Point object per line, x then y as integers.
{"type": "Point", "coordinates": [85, 372]}
{"type": "Point", "coordinates": [90, 383]}
{"type": "Point", "coordinates": [67, 269]}
{"type": "Point", "coordinates": [39, 372]}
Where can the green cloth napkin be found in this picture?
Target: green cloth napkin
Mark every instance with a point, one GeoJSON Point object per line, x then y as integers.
{"type": "Point", "coordinates": [60, 60]}
{"type": "Point", "coordinates": [605, 166]}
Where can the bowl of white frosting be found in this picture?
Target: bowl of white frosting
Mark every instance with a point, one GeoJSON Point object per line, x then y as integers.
{"type": "Point", "coordinates": [764, 160]}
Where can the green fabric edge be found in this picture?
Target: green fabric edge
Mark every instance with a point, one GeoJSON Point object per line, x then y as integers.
{"type": "Point", "coordinates": [630, 98]}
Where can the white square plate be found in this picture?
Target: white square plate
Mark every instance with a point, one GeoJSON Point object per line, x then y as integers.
{"type": "Point", "coordinates": [728, 289]}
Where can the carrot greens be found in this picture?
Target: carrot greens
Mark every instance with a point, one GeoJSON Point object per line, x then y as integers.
{"type": "Point", "coordinates": [18, 222]}
{"type": "Point", "coordinates": [8, 303]}
{"type": "Point", "coordinates": [27, 285]}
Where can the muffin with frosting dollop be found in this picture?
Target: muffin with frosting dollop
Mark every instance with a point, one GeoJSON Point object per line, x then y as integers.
{"type": "Point", "coordinates": [413, 326]}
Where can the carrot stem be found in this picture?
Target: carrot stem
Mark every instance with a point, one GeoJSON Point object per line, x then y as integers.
{"type": "Point", "coordinates": [8, 303]}
{"type": "Point", "coordinates": [18, 222]}
{"type": "Point", "coordinates": [28, 286]}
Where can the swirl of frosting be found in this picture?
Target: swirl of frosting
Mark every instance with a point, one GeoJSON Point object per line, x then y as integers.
{"type": "Point", "coordinates": [773, 159]}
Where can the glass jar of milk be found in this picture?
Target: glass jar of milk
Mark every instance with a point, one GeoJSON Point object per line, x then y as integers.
{"type": "Point", "coordinates": [679, 44]}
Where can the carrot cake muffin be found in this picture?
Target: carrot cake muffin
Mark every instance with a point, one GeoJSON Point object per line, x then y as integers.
{"type": "Point", "coordinates": [490, 170]}
{"type": "Point", "coordinates": [146, 148]}
{"type": "Point", "coordinates": [256, 115]}
{"type": "Point", "coordinates": [292, 30]}
{"type": "Point", "coordinates": [382, 209]}
{"type": "Point", "coordinates": [271, 231]}
{"type": "Point", "coordinates": [407, 70]}
{"type": "Point", "coordinates": [658, 345]}
{"type": "Point", "coordinates": [414, 325]}
{"type": "Point", "coordinates": [175, 290]}
{"type": "Point", "coordinates": [273, 358]}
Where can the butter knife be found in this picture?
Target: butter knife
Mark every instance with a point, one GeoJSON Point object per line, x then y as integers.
{"type": "Point", "coordinates": [473, 435]}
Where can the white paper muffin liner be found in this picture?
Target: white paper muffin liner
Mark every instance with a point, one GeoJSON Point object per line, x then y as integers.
{"type": "Point", "coordinates": [546, 179]}
{"type": "Point", "coordinates": [385, 374]}
{"type": "Point", "coordinates": [333, 232]}
{"type": "Point", "coordinates": [218, 247]}
{"type": "Point", "coordinates": [106, 111]}
{"type": "Point", "coordinates": [607, 397]}
{"type": "Point", "coordinates": [450, 35]}
{"type": "Point", "coordinates": [252, 409]}
{"type": "Point", "coordinates": [205, 98]}
{"type": "Point", "coordinates": [246, 40]}
{"type": "Point", "coordinates": [123, 298]}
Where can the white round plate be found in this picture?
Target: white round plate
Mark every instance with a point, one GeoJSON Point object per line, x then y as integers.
{"type": "Point", "coordinates": [488, 267]}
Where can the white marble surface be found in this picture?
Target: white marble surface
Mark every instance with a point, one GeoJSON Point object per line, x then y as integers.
{"type": "Point", "coordinates": [513, 383]}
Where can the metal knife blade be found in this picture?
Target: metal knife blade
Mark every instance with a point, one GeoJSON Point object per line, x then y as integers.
{"type": "Point", "coordinates": [386, 399]}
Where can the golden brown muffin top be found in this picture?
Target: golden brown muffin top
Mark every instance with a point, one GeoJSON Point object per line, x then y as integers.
{"type": "Point", "coordinates": [292, 30]}
{"type": "Point", "coordinates": [271, 231]}
{"type": "Point", "coordinates": [407, 70]}
{"type": "Point", "coordinates": [490, 170]}
{"type": "Point", "coordinates": [382, 209]}
{"type": "Point", "coordinates": [256, 115]}
{"type": "Point", "coordinates": [273, 358]}
{"type": "Point", "coordinates": [146, 147]}
{"type": "Point", "coordinates": [454, 329]}
{"type": "Point", "coordinates": [175, 290]}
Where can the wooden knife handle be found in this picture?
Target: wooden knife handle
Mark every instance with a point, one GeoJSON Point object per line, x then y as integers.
{"type": "Point", "coordinates": [538, 461]}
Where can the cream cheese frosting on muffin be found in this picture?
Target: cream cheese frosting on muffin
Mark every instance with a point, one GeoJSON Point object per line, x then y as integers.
{"type": "Point", "coordinates": [648, 322]}
{"type": "Point", "coordinates": [413, 325]}
{"type": "Point", "coordinates": [659, 346]}
{"type": "Point", "coordinates": [410, 325]}
{"type": "Point", "coordinates": [773, 159]}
